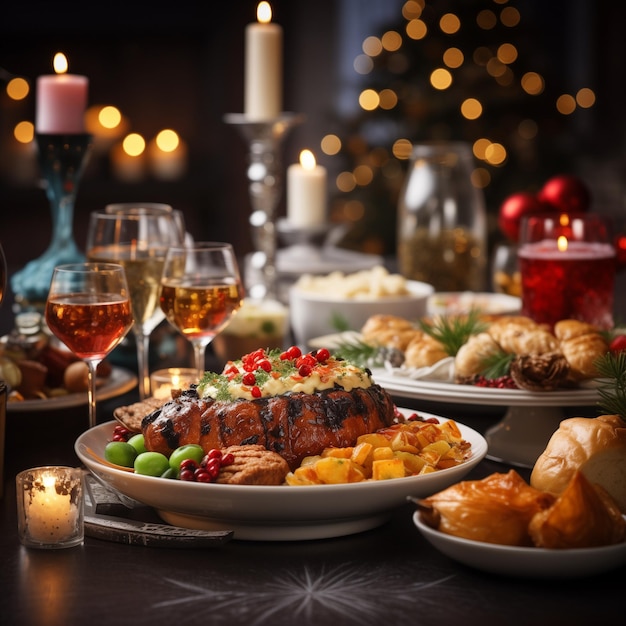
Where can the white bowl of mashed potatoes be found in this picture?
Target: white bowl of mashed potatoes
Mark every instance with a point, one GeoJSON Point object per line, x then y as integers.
{"type": "Point", "coordinates": [323, 305]}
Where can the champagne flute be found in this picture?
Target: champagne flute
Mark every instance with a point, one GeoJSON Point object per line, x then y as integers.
{"type": "Point", "coordinates": [137, 237]}
{"type": "Point", "coordinates": [200, 291]}
{"type": "Point", "coordinates": [88, 309]}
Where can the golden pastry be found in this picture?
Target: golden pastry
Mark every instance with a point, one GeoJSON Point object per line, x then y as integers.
{"type": "Point", "coordinates": [527, 341]}
{"type": "Point", "coordinates": [496, 509]}
{"type": "Point", "coordinates": [568, 329]}
{"type": "Point", "coordinates": [472, 357]}
{"type": "Point", "coordinates": [507, 321]}
{"type": "Point", "coordinates": [582, 351]}
{"type": "Point", "coordinates": [389, 331]}
{"type": "Point", "coordinates": [583, 516]}
{"type": "Point", "coordinates": [423, 351]}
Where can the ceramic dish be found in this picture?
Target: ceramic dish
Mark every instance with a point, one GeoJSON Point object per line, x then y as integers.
{"type": "Point", "coordinates": [525, 562]}
{"type": "Point", "coordinates": [315, 313]}
{"type": "Point", "coordinates": [119, 382]}
{"type": "Point", "coordinates": [276, 513]}
{"type": "Point", "coordinates": [459, 302]}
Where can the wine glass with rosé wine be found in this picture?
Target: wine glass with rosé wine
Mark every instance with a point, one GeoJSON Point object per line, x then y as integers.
{"type": "Point", "coordinates": [88, 309]}
{"type": "Point", "coordinates": [201, 289]}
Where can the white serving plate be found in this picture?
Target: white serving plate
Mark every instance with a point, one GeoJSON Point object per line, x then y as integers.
{"type": "Point", "coordinates": [275, 513]}
{"type": "Point", "coordinates": [119, 382]}
{"type": "Point", "coordinates": [422, 389]}
{"type": "Point", "coordinates": [525, 562]}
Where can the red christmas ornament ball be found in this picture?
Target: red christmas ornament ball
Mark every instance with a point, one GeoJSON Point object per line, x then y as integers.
{"type": "Point", "coordinates": [566, 193]}
{"type": "Point", "coordinates": [620, 251]}
{"type": "Point", "coordinates": [515, 207]}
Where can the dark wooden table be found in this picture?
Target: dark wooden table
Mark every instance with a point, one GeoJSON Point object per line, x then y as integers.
{"type": "Point", "coordinates": [389, 575]}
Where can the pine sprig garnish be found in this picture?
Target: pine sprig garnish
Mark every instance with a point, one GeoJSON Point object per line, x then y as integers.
{"type": "Point", "coordinates": [453, 331]}
{"type": "Point", "coordinates": [498, 365]}
{"type": "Point", "coordinates": [612, 389]}
{"type": "Point", "coordinates": [340, 323]}
{"type": "Point", "coordinates": [360, 353]}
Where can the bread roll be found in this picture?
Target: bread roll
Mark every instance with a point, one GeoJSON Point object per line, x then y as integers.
{"type": "Point", "coordinates": [595, 446]}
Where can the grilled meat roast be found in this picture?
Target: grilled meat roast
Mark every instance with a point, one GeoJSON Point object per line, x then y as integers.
{"type": "Point", "coordinates": [294, 425]}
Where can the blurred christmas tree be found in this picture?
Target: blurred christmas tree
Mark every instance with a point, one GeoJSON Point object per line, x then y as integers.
{"type": "Point", "coordinates": [472, 71]}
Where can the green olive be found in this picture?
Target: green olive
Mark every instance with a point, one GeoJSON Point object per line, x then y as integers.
{"type": "Point", "coordinates": [169, 473]}
{"type": "Point", "coordinates": [137, 441]}
{"type": "Point", "coordinates": [188, 451]}
{"type": "Point", "coordinates": [120, 453]}
{"type": "Point", "coordinates": [151, 463]}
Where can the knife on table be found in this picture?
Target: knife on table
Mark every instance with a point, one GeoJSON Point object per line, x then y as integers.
{"type": "Point", "coordinates": [107, 517]}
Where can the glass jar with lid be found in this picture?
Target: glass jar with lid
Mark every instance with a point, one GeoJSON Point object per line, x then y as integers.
{"type": "Point", "coordinates": [442, 223]}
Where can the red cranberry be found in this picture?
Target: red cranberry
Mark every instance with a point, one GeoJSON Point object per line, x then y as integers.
{"type": "Point", "coordinates": [249, 379]}
{"type": "Point", "coordinates": [322, 355]}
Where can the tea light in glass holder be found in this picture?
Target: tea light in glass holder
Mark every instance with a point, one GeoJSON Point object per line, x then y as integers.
{"type": "Point", "coordinates": [50, 507]}
{"type": "Point", "coordinates": [162, 382]}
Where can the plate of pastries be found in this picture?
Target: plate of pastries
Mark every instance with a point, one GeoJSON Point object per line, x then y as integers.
{"type": "Point", "coordinates": [498, 360]}
{"type": "Point", "coordinates": [568, 520]}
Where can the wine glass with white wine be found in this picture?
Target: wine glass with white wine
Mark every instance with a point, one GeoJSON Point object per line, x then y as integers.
{"type": "Point", "coordinates": [201, 289]}
{"type": "Point", "coordinates": [137, 237]}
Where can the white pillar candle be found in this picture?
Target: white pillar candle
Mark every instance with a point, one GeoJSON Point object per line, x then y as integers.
{"type": "Point", "coordinates": [61, 101]}
{"type": "Point", "coordinates": [263, 71]}
{"type": "Point", "coordinates": [306, 192]}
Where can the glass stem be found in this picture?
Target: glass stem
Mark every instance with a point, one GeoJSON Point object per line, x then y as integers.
{"type": "Point", "coordinates": [91, 391]}
{"type": "Point", "coordinates": [199, 352]}
{"type": "Point", "coordinates": [143, 353]}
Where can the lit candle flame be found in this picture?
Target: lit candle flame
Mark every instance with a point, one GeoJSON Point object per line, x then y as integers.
{"type": "Point", "coordinates": [109, 117]}
{"type": "Point", "coordinates": [307, 160]}
{"type": "Point", "coordinates": [561, 243]}
{"type": "Point", "coordinates": [48, 481]}
{"type": "Point", "coordinates": [264, 12]}
{"type": "Point", "coordinates": [60, 63]}
{"type": "Point", "coordinates": [134, 144]}
{"type": "Point", "coordinates": [167, 140]}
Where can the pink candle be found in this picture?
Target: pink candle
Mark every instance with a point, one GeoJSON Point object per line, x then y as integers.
{"type": "Point", "coordinates": [61, 104]}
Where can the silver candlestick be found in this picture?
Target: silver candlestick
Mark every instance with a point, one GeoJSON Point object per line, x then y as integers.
{"type": "Point", "coordinates": [265, 184]}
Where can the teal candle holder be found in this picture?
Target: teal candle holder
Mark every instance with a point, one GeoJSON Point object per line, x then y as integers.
{"type": "Point", "coordinates": [62, 159]}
